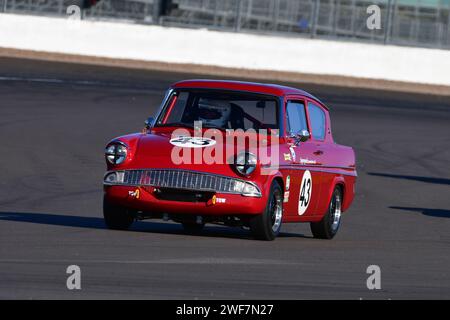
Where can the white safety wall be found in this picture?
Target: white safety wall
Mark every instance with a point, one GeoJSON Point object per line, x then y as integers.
{"type": "Point", "coordinates": [230, 50]}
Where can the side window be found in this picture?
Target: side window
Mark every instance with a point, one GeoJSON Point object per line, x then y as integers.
{"type": "Point", "coordinates": [317, 119]}
{"type": "Point", "coordinates": [296, 117]}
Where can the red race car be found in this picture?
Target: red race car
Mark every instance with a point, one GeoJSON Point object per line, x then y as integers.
{"type": "Point", "coordinates": [233, 153]}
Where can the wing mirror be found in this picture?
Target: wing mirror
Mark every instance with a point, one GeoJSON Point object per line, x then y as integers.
{"type": "Point", "coordinates": [149, 122]}
{"type": "Point", "coordinates": [304, 135]}
{"type": "Point", "coordinates": [301, 136]}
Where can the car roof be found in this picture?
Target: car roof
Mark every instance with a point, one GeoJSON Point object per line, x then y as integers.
{"type": "Point", "coordinates": [263, 88]}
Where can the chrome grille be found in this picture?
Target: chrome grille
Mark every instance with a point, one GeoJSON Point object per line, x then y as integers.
{"type": "Point", "coordinates": [180, 179]}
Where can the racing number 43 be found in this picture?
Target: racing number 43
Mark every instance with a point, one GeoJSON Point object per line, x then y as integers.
{"type": "Point", "coordinates": [304, 198]}
{"type": "Point", "coordinates": [305, 192]}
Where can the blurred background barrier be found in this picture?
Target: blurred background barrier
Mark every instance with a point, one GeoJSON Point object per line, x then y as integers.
{"type": "Point", "coordinates": [224, 54]}
{"type": "Point", "coordinates": [421, 23]}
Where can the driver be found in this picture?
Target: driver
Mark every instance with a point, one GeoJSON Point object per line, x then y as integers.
{"type": "Point", "coordinates": [214, 113]}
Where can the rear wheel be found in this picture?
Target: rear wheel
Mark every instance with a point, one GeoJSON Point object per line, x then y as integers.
{"type": "Point", "coordinates": [267, 225]}
{"type": "Point", "coordinates": [117, 217]}
{"type": "Point", "coordinates": [330, 223]}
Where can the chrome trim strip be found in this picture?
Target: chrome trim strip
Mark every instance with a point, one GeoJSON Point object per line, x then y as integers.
{"type": "Point", "coordinates": [346, 171]}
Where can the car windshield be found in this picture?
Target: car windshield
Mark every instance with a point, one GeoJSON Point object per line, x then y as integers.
{"type": "Point", "coordinates": [220, 109]}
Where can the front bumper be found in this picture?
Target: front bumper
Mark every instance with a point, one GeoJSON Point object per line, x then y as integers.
{"type": "Point", "coordinates": [182, 192]}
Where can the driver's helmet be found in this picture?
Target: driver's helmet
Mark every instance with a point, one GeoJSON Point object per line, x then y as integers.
{"type": "Point", "coordinates": [214, 112]}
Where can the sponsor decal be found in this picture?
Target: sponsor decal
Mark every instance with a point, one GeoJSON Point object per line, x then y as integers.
{"type": "Point", "coordinates": [216, 199]}
{"type": "Point", "coordinates": [305, 192]}
{"type": "Point", "coordinates": [292, 149]}
{"type": "Point", "coordinates": [286, 196]}
{"type": "Point", "coordinates": [192, 142]}
{"type": "Point", "coordinates": [307, 161]}
{"type": "Point", "coordinates": [287, 157]}
{"type": "Point", "coordinates": [134, 194]}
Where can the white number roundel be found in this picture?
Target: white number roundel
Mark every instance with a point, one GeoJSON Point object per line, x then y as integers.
{"type": "Point", "coordinates": [192, 142]}
{"type": "Point", "coordinates": [305, 193]}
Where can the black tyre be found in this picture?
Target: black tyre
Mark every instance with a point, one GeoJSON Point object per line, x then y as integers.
{"type": "Point", "coordinates": [267, 225]}
{"type": "Point", "coordinates": [117, 217]}
{"type": "Point", "coordinates": [193, 228]}
{"type": "Point", "coordinates": [329, 225]}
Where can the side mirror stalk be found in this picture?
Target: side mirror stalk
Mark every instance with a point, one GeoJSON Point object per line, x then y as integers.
{"type": "Point", "coordinates": [149, 123]}
{"type": "Point", "coordinates": [301, 136]}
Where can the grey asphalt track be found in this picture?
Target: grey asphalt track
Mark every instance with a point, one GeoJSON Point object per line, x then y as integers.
{"type": "Point", "coordinates": [55, 120]}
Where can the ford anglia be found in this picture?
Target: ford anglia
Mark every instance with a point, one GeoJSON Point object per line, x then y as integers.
{"type": "Point", "coordinates": [233, 153]}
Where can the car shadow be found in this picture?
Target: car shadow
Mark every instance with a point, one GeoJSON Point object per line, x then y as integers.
{"type": "Point", "coordinates": [414, 178]}
{"type": "Point", "coordinates": [438, 213]}
{"type": "Point", "coordinates": [294, 235]}
{"type": "Point", "coordinates": [138, 226]}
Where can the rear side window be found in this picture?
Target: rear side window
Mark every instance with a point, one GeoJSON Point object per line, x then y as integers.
{"type": "Point", "coordinates": [296, 117]}
{"type": "Point", "coordinates": [317, 120]}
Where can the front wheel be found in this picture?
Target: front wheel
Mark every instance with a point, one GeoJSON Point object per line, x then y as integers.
{"type": "Point", "coordinates": [330, 223]}
{"type": "Point", "coordinates": [117, 217]}
{"type": "Point", "coordinates": [267, 225]}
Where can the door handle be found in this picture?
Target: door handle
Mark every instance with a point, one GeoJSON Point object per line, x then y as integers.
{"type": "Point", "coordinates": [318, 152]}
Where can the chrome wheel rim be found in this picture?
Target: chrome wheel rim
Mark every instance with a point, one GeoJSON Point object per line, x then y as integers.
{"type": "Point", "coordinates": [276, 212]}
{"type": "Point", "coordinates": [336, 212]}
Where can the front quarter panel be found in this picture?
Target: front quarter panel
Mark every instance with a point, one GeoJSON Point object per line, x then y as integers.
{"type": "Point", "coordinates": [131, 141]}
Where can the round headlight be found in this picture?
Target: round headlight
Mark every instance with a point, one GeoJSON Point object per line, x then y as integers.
{"type": "Point", "coordinates": [246, 163]}
{"type": "Point", "coordinates": [116, 153]}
